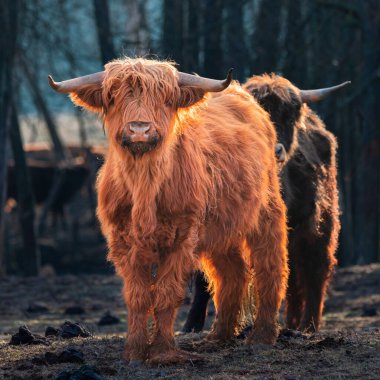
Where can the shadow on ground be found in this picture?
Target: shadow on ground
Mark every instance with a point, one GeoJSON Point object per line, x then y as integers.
{"type": "Point", "coordinates": [347, 347]}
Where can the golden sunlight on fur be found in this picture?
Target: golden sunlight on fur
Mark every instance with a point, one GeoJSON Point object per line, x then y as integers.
{"type": "Point", "coordinates": [201, 185]}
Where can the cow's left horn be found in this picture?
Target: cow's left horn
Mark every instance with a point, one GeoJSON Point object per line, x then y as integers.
{"type": "Point", "coordinates": [310, 96]}
{"type": "Point", "coordinates": [71, 85]}
{"type": "Point", "coordinates": [206, 84]}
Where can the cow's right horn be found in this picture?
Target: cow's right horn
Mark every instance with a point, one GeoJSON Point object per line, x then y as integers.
{"type": "Point", "coordinates": [206, 84]}
{"type": "Point", "coordinates": [71, 85]}
{"type": "Point", "coordinates": [310, 96]}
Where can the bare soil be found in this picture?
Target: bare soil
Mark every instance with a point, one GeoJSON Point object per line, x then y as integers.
{"type": "Point", "coordinates": [348, 346]}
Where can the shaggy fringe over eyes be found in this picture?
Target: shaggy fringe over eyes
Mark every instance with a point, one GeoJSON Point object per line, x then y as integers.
{"type": "Point", "coordinates": [150, 89]}
{"type": "Point", "coordinates": [158, 81]}
{"type": "Point", "coordinates": [273, 84]}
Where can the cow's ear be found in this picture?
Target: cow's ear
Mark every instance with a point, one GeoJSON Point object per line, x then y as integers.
{"type": "Point", "coordinates": [190, 96]}
{"type": "Point", "coordinates": [88, 97]}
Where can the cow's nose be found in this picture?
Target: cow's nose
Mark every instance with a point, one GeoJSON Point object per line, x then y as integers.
{"type": "Point", "coordinates": [280, 152]}
{"type": "Point", "coordinates": [139, 127]}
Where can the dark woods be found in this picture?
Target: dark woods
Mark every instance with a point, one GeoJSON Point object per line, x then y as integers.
{"type": "Point", "coordinates": [314, 43]}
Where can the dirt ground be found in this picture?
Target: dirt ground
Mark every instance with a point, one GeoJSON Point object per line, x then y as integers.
{"type": "Point", "coordinates": [348, 346]}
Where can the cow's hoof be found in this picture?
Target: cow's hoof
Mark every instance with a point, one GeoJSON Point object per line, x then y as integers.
{"type": "Point", "coordinates": [175, 356]}
{"type": "Point", "coordinates": [262, 338]}
{"type": "Point", "coordinates": [133, 356]}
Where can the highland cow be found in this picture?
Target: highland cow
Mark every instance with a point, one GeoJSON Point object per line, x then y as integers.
{"type": "Point", "coordinates": [189, 178]}
{"type": "Point", "coordinates": [306, 155]}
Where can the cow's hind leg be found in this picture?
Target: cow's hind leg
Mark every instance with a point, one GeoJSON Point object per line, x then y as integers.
{"type": "Point", "coordinates": [269, 259]}
{"type": "Point", "coordinates": [316, 272]}
{"type": "Point", "coordinates": [197, 314]}
{"type": "Point", "coordinates": [294, 302]}
{"type": "Point", "coordinates": [295, 292]}
{"type": "Point", "coordinates": [228, 276]}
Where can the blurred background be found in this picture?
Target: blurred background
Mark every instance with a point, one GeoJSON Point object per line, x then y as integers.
{"type": "Point", "coordinates": [50, 151]}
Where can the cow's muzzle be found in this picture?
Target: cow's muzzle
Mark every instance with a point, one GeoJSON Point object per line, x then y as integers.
{"type": "Point", "coordinates": [139, 137]}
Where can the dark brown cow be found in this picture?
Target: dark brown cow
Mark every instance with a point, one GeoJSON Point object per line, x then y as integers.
{"type": "Point", "coordinates": [307, 155]}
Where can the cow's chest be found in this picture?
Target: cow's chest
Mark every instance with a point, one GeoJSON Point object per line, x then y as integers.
{"type": "Point", "coordinates": [166, 234]}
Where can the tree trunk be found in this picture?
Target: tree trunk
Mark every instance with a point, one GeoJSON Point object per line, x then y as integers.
{"type": "Point", "coordinates": [103, 27]}
{"type": "Point", "coordinates": [137, 39]}
{"type": "Point", "coordinates": [191, 36]}
{"type": "Point", "coordinates": [367, 212]}
{"type": "Point", "coordinates": [235, 44]}
{"type": "Point", "coordinates": [9, 12]}
{"type": "Point", "coordinates": [172, 37]}
{"type": "Point", "coordinates": [213, 65]}
{"type": "Point", "coordinates": [60, 151]}
{"type": "Point", "coordinates": [295, 64]}
{"type": "Point", "coordinates": [266, 37]}
{"type": "Point", "coordinates": [29, 260]}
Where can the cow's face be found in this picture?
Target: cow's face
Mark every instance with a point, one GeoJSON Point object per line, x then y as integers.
{"type": "Point", "coordinates": [141, 106]}
{"type": "Point", "coordinates": [139, 101]}
{"type": "Point", "coordinates": [282, 101]}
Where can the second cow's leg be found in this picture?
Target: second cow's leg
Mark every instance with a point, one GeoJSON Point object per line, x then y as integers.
{"type": "Point", "coordinates": [198, 310]}
{"type": "Point", "coordinates": [228, 275]}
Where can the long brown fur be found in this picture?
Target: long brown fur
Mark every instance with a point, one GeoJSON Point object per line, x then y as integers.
{"type": "Point", "coordinates": [207, 189]}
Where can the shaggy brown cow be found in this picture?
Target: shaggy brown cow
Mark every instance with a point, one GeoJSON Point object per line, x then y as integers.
{"type": "Point", "coordinates": [307, 153]}
{"type": "Point", "coordinates": [186, 181]}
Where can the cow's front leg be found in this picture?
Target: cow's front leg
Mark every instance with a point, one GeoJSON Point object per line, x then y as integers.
{"type": "Point", "coordinates": [137, 295]}
{"type": "Point", "coordinates": [136, 291]}
{"type": "Point", "coordinates": [168, 293]}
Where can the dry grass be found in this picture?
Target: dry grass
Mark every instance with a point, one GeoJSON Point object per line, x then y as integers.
{"type": "Point", "coordinates": [347, 348]}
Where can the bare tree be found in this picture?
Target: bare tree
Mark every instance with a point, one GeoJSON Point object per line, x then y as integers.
{"type": "Point", "coordinates": [9, 12]}
{"type": "Point", "coordinates": [172, 34]}
{"type": "Point", "coordinates": [29, 259]}
{"type": "Point", "coordinates": [266, 36]}
{"type": "Point", "coordinates": [368, 185]}
{"type": "Point", "coordinates": [191, 43]}
{"type": "Point", "coordinates": [235, 47]}
{"type": "Point", "coordinates": [137, 39]}
{"type": "Point", "coordinates": [38, 98]}
{"type": "Point", "coordinates": [103, 26]}
{"type": "Point", "coordinates": [212, 24]}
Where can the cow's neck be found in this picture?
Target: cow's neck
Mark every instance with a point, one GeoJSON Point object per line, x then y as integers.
{"type": "Point", "coordinates": [144, 177]}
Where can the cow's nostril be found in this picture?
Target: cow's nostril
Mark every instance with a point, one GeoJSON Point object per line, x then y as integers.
{"type": "Point", "coordinates": [139, 127]}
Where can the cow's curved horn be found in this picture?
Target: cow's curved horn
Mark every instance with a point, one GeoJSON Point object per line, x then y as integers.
{"type": "Point", "coordinates": [206, 84]}
{"type": "Point", "coordinates": [71, 85]}
{"type": "Point", "coordinates": [309, 96]}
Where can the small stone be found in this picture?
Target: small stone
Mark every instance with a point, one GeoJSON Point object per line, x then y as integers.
{"type": "Point", "coordinates": [73, 330]}
{"type": "Point", "coordinates": [51, 331]}
{"type": "Point", "coordinates": [71, 355]}
{"type": "Point", "coordinates": [86, 372]}
{"type": "Point", "coordinates": [24, 336]}
{"type": "Point", "coordinates": [51, 358]}
{"type": "Point", "coordinates": [369, 311]}
{"type": "Point", "coordinates": [75, 310]}
{"type": "Point", "coordinates": [37, 307]}
{"type": "Point", "coordinates": [108, 319]}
